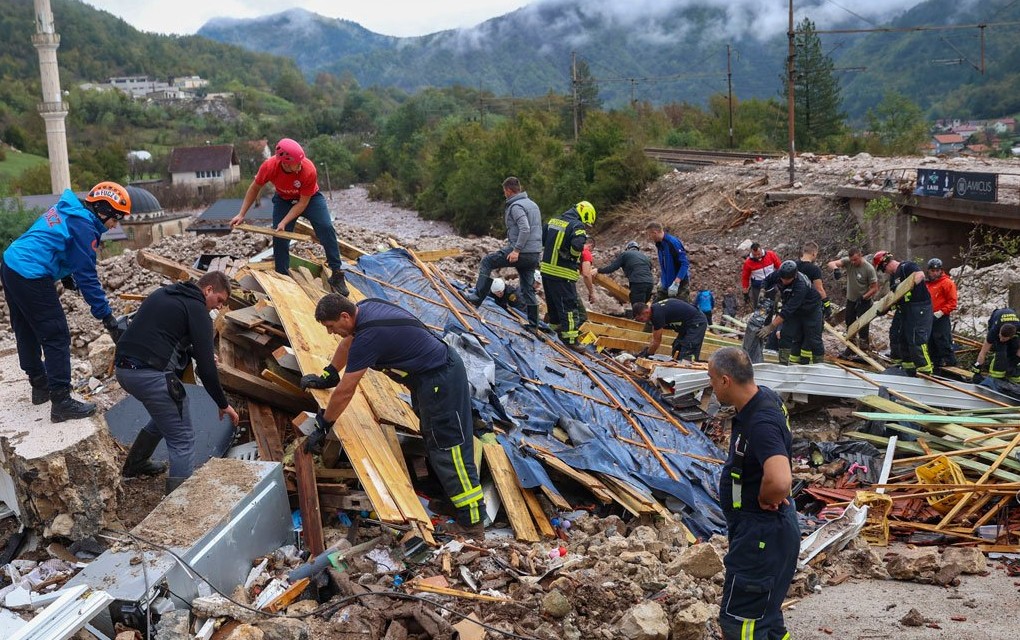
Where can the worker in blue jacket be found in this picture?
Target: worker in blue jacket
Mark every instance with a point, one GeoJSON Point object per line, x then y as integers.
{"type": "Point", "coordinates": [674, 267]}
{"type": "Point", "coordinates": [60, 245]}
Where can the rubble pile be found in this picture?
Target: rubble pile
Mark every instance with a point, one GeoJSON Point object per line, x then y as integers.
{"type": "Point", "coordinates": [982, 291]}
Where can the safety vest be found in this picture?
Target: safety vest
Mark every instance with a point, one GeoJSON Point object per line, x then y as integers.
{"type": "Point", "coordinates": [559, 257]}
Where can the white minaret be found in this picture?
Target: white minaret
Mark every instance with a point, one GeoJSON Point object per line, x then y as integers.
{"type": "Point", "coordinates": [52, 108]}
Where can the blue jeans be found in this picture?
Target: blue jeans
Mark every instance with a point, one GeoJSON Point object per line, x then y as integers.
{"type": "Point", "coordinates": [317, 213]}
{"type": "Point", "coordinates": [167, 418]}
{"type": "Point", "coordinates": [40, 327]}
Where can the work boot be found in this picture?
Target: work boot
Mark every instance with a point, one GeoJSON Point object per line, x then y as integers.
{"type": "Point", "coordinates": [784, 357]}
{"type": "Point", "coordinates": [64, 407]}
{"type": "Point", "coordinates": [532, 324]}
{"type": "Point", "coordinates": [338, 283]}
{"type": "Point", "coordinates": [474, 531]}
{"type": "Point", "coordinates": [482, 288]}
{"type": "Point", "coordinates": [172, 483]}
{"type": "Point", "coordinates": [138, 462]}
{"type": "Point", "coordinates": [40, 390]}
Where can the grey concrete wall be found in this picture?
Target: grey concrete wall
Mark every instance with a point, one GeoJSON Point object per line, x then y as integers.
{"type": "Point", "coordinates": [913, 237]}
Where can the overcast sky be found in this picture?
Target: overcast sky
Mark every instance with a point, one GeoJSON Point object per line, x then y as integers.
{"type": "Point", "coordinates": [417, 17]}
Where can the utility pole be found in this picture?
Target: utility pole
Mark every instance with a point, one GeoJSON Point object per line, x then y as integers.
{"type": "Point", "coordinates": [573, 83]}
{"type": "Point", "coordinates": [789, 94]}
{"type": "Point", "coordinates": [633, 82]}
{"type": "Point", "coordinates": [729, 91]}
{"type": "Point", "coordinates": [481, 105]}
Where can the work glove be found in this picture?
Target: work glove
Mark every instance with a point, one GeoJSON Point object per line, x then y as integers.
{"type": "Point", "coordinates": [673, 289]}
{"type": "Point", "coordinates": [113, 327]}
{"type": "Point", "coordinates": [826, 308]}
{"type": "Point", "coordinates": [747, 297]}
{"type": "Point", "coordinates": [837, 273]}
{"type": "Point", "coordinates": [939, 314]}
{"type": "Point", "coordinates": [643, 353]}
{"type": "Point", "coordinates": [69, 283]}
{"type": "Point", "coordinates": [328, 379]}
{"type": "Point", "coordinates": [765, 331]}
{"type": "Point", "coordinates": [313, 443]}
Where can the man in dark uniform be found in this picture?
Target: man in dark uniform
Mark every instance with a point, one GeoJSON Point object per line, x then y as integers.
{"type": "Point", "coordinates": [169, 321]}
{"type": "Point", "coordinates": [564, 240]}
{"type": "Point", "coordinates": [506, 295]}
{"type": "Point", "coordinates": [800, 316]}
{"type": "Point", "coordinates": [754, 491]}
{"type": "Point", "coordinates": [1003, 342]}
{"type": "Point", "coordinates": [683, 317]}
{"type": "Point", "coordinates": [382, 336]}
{"type": "Point", "coordinates": [911, 326]}
{"type": "Point", "coordinates": [807, 266]}
{"type": "Point", "coordinates": [637, 267]}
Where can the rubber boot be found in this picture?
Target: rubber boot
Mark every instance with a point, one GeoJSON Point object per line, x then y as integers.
{"type": "Point", "coordinates": [64, 407]}
{"type": "Point", "coordinates": [338, 283]}
{"type": "Point", "coordinates": [784, 357]}
{"type": "Point", "coordinates": [138, 462]}
{"type": "Point", "coordinates": [482, 288]}
{"type": "Point", "coordinates": [40, 390]}
{"type": "Point", "coordinates": [532, 318]}
{"type": "Point", "coordinates": [172, 483]}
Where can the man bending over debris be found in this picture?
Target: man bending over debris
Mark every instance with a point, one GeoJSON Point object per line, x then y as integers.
{"type": "Point", "coordinates": [1004, 343]}
{"type": "Point", "coordinates": [911, 326]}
{"type": "Point", "coordinates": [683, 317]}
{"type": "Point", "coordinates": [148, 357]}
{"type": "Point", "coordinates": [637, 267]}
{"type": "Point", "coordinates": [379, 335]}
{"type": "Point", "coordinates": [800, 340]}
{"type": "Point", "coordinates": [754, 490]}
{"type": "Point", "coordinates": [60, 245]}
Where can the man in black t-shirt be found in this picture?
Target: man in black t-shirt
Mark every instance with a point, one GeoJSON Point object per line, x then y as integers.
{"type": "Point", "coordinates": [1004, 343]}
{"type": "Point", "coordinates": [800, 317]}
{"type": "Point", "coordinates": [683, 317]}
{"type": "Point", "coordinates": [911, 326]}
{"type": "Point", "coordinates": [807, 266]}
{"type": "Point", "coordinates": [376, 334]}
{"type": "Point", "coordinates": [754, 492]}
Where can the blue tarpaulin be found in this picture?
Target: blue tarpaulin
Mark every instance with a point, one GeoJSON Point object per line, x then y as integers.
{"type": "Point", "coordinates": [598, 430]}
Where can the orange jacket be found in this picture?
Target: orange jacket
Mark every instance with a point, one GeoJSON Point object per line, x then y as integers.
{"type": "Point", "coordinates": [943, 294]}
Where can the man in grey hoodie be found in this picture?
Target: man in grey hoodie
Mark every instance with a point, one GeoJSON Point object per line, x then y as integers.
{"type": "Point", "coordinates": [523, 249]}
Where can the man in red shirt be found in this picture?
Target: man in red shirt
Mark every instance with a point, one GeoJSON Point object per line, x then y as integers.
{"type": "Point", "coordinates": [297, 194]}
{"type": "Point", "coordinates": [757, 266]}
{"type": "Point", "coordinates": [943, 302]}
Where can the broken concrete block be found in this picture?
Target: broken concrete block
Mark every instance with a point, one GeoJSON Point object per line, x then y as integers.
{"type": "Point", "coordinates": [101, 353]}
{"type": "Point", "coordinates": [691, 621]}
{"type": "Point", "coordinates": [970, 559]}
{"type": "Point", "coordinates": [246, 632]}
{"type": "Point", "coordinates": [701, 561]}
{"type": "Point", "coordinates": [216, 606]}
{"type": "Point", "coordinates": [283, 629]}
{"type": "Point", "coordinates": [556, 604]}
{"type": "Point", "coordinates": [948, 574]}
{"type": "Point", "coordinates": [918, 565]}
{"type": "Point", "coordinates": [60, 527]}
{"type": "Point", "coordinates": [646, 621]}
{"type": "Point", "coordinates": [173, 625]}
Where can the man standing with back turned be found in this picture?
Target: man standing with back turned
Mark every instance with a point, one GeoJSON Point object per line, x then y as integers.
{"type": "Point", "coordinates": [754, 491]}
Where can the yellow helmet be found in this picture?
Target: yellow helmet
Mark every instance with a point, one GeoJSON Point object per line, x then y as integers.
{"type": "Point", "coordinates": [585, 211]}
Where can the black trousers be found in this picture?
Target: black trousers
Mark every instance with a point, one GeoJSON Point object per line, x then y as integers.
{"type": "Point", "coordinates": [760, 564]}
{"type": "Point", "coordinates": [908, 337]}
{"type": "Point", "coordinates": [40, 328]}
{"type": "Point", "coordinates": [561, 301]}
{"type": "Point", "coordinates": [641, 292]}
{"type": "Point", "coordinates": [855, 309]}
{"type": "Point", "coordinates": [801, 336]}
{"type": "Point", "coordinates": [689, 339]}
{"type": "Point", "coordinates": [940, 344]}
{"type": "Point", "coordinates": [442, 400]}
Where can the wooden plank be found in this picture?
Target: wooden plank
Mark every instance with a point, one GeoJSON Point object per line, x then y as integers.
{"type": "Point", "coordinates": [874, 364]}
{"type": "Point", "coordinates": [615, 289]}
{"type": "Point", "coordinates": [265, 432]}
{"type": "Point", "coordinates": [882, 305]}
{"type": "Point", "coordinates": [535, 507]}
{"type": "Point", "coordinates": [246, 384]}
{"type": "Point", "coordinates": [308, 499]}
{"type": "Point", "coordinates": [270, 231]}
{"type": "Point", "coordinates": [284, 384]}
{"type": "Point", "coordinates": [284, 357]}
{"type": "Point", "coordinates": [247, 317]}
{"type": "Point", "coordinates": [923, 418]}
{"type": "Point", "coordinates": [984, 478]}
{"type": "Point", "coordinates": [585, 479]}
{"type": "Point", "coordinates": [438, 254]}
{"type": "Point", "coordinates": [509, 489]}
{"type": "Point", "coordinates": [168, 268]}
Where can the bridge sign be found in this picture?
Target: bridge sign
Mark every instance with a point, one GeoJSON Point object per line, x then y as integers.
{"type": "Point", "coordinates": [966, 185]}
{"type": "Point", "coordinates": [934, 182]}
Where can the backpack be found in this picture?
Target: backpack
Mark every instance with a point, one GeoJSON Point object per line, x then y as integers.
{"type": "Point", "coordinates": [704, 300]}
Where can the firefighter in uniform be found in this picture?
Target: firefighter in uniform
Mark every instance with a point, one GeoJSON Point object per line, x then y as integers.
{"type": "Point", "coordinates": [683, 317]}
{"type": "Point", "coordinates": [911, 326]}
{"type": "Point", "coordinates": [800, 317]}
{"type": "Point", "coordinates": [1004, 343]}
{"type": "Point", "coordinates": [380, 335]}
{"type": "Point", "coordinates": [754, 491]}
{"type": "Point", "coordinates": [564, 241]}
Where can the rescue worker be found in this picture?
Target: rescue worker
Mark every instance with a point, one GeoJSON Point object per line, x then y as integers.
{"type": "Point", "coordinates": [171, 321]}
{"type": "Point", "coordinates": [506, 295]}
{"type": "Point", "coordinates": [807, 266]}
{"type": "Point", "coordinates": [60, 245]}
{"type": "Point", "coordinates": [911, 326]}
{"type": "Point", "coordinates": [383, 336]}
{"type": "Point", "coordinates": [565, 237]}
{"type": "Point", "coordinates": [758, 264]}
{"type": "Point", "coordinates": [861, 289]}
{"type": "Point", "coordinates": [683, 317]}
{"type": "Point", "coordinates": [296, 181]}
{"type": "Point", "coordinates": [800, 316]}
{"type": "Point", "coordinates": [522, 251]}
{"type": "Point", "coordinates": [1001, 339]}
{"type": "Point", "coordinates": [674, 267]}
{"type": "Point", "coordinates": [943, 302]}
{"type": "Point", "coordinates": [637, 267]}
{"type": "Point", "coordinates": [754, 491]}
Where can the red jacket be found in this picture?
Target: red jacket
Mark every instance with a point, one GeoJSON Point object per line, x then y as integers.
{"type": "Point", "coordinates": [758, 268]}
{"type": "Point", "coordinates": [943, 294]}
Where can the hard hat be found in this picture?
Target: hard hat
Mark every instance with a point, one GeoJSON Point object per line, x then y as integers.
{"type": "Point", "coordinates": [935, 263]}
{"type": "Point", "coordinates": [289, 151]}
{"type": "Point", "coordinates": [631, 245]}
{"type": "Point", "coordinates": [788, 269]}
{"type": "Point", "coordinates": [498, 286]}
{"type": "Point", "coordinates": [586, 212]}
{"type": "Point", "coordinates": [110, 199]}
{"type": "Point", "coordinates": [880, 258]}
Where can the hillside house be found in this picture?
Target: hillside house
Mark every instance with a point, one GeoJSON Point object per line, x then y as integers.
{"type": "Point", "coordinates": [948, 143]}
{"type": "Point", "coordinates": [207, 169]}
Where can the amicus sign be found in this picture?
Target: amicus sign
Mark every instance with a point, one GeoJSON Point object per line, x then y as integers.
{"type": "Point", "coordinates": [975, 186]}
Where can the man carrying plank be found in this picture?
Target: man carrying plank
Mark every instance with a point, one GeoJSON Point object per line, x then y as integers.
{"type": "Point", "coordinates": [911, 326]}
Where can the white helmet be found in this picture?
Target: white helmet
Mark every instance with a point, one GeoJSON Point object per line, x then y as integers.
{"type": "Point", "coordinates": [538, 278]}
{"type": "Point", "coordinates": [498, 286]}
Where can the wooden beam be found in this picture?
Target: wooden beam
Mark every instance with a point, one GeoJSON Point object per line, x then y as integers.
{"type": "Point", "coordinates": [984, 478]}
{"type": "Point", "coordinates": [509, 489]}
{"type": "Point", "coordinates": [265, 432]}
{"type": "Point", "coordinates": [615, 289]}
{"type": "Point", "coordinates": [438, 254]}
{"type": "Point", "coordinates": [270, 231]}
{"type": "Point", "coordinates": [173, 270]}
{"type": "Point", "coordinates": [308, 499]}
{"type": "Point", "coordinates": [246, 384]}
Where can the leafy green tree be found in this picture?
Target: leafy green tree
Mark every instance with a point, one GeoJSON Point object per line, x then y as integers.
{"type": "Point", "coordinates": [587, 91]}
{"type": "Point", "coordinates": [817, 114]}
{"type": "Point", "coordinates": [897, 125]}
